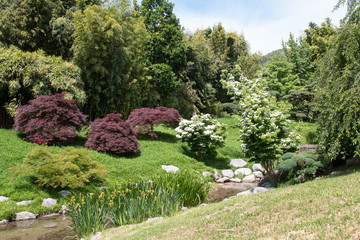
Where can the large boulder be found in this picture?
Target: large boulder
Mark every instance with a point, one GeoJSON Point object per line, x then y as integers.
{"type": "Point", "coordinates": [228, 173]}
{"type": "Point", "coordinates": [260, 190]}
{"type": "Point", "coordinates": [217, 175]}
{"type": "Point", "coordinates": [170, 168]}
{"type": "Point", "coordinates": [258, 174]}
{"type": "Point", "coordinates": [249, 179]}
{"type": "Point", "coordinates": [258, 167]}
{"type": "Point", "coordinates": [237, 163]}
{"type": "Point", "coordinates": [48, 202]}
{"type": "Point", "coordinates": [243, 171]}
{"type": "Point", "coordinates": [24, 216]}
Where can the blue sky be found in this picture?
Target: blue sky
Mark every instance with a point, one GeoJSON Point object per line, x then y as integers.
{"type": "Point", "coordinates": [264, 23]}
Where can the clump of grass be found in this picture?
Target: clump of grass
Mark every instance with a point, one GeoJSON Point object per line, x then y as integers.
{"type": "Point", "coordinates": [192, 188]}
{"type": "Point", "coordinates": [132, 202]}
{"type": "Point", "coordinates": [88, 213]}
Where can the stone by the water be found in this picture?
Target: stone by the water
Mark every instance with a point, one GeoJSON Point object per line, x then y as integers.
{"type": "Point", "coordinates": [48, 202]}
{"type": "Point", "coordinates": [217, 175]}
{"type": "Point", "coordinates": [258, 167]}
{"type": "Point", "coordinates": [258, 174]}
{"type": "Point", "coordinates": [222, 180]}
{"type": "Point", "coordinates": [247, 192]}
{"type": "Point", "coordinates": [21, 216]}
{"type": "Point", "coordinates": [260, 190]}
{"type": "Point", "coordinates": [243, 171]}
{"type": "Point", "coordinates": [249, 179]}
{"type": "Point", "coordinates": [228, 173]}
{"type": "Point", "coordinates": [235, 180]}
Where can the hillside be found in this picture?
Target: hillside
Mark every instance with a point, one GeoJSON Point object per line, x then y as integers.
{"type": "Point", "coordinates": [328, 208]}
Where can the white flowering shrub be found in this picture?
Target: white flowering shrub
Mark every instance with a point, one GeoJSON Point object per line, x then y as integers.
{"type": "Point", "coordinates": [263, 128]}
{"type": "Point", "coordinates": [202, 133]}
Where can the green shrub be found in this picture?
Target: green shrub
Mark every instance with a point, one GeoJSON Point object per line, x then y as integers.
{"type": "Point", "coordinates": [300, 167]}
{"type": "Point", "coordinates": [70, 168]}
{"type": "Point", "coordinates": [192, 188]}
{"type": "Point", "coordinates": [311, 137]}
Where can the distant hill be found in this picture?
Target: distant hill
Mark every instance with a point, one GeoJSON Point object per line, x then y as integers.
{"type": "Point", "coordinates": [268, 56]}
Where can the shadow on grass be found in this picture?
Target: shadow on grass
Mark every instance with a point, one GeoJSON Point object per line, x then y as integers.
{"type": "Point", "coordinates": [214, 160]}
{"type": "Point", "coordinates": [163, 137]}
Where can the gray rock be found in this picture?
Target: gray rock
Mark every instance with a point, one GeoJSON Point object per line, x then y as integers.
{"type": "Point", "coordinates": [24, 202]}
{"type": "Point", "coordinates": [170, 168]}
{"type": "Point", "coordinates": [249, 179]}
{"type": "Point", "coordinates": [217, 175]}
{"type": "Point", "coordinates": [258, 174]}
{"type": "Point", "coordinates": [3, 222]}
{"type": "Point", "coordinates": [237, 162]}
{"type": "Point", "coordinates": [266, 185]}
{"type": "Point", "coordinates": [235, 180]}
{"type": "Point", "coordinates": [96, 236]}
{"type": "Point", "coordinates": [206, 174]}
{"type": "Point", "coordinates": [222, 180]}
{"type": "Point", "coordinates": [243, 171]}
{"type": "Point", "coordinates": [258, 167]}
{"type": "Point", "coordinates": [154, 219]}
{"type": "Point", "coordinates": [64, 193]}
{"type": "Point", "coordinates": [64, 209]}
{"type": "Point", "coordinates": [2, 198]}
{"type": "Point", "coordinates": [260, 190]}
{"type": "Point", "coordinates": [48, 202]}
{"type": "Point", "coordinates": [102, 188]}
{"type": "Point", "coordinates": [228, 173]}
{"type": "Point", "coordinates": [184, 208]}
{"type": "Point", "coordinates": [24, 216]}
{"type": "Point", "coordinates": [247, 192]}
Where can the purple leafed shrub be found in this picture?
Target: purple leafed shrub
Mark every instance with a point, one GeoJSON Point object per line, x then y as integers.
{"type": "Point", "coordinates": [112, 134]}
{"type": "Point", "coordinates": [49, 120]}
{"type": "Point", "coordinates": [144, 119]}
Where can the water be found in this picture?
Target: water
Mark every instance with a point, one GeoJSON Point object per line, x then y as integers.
{"type": "Point", "coordinates": [56, 227]}
{"type": "Point", "coordinates": [42, 228]}
{"type": "Point", "coordinates": [225, 190]}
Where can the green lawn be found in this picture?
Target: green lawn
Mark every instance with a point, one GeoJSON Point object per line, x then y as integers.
{"type": "Point", "coordinates": [167, 149]}
{"type": "Point", "coordinates": [328, 208]}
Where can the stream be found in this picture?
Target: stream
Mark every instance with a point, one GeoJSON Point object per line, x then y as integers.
{"type": "Point", "coordinates": [56, 227]}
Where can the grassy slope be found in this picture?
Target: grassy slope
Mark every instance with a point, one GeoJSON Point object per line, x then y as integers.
{"type": "Point", "coordinates": [165, 150]}
{"type": "Point", "coordinates": [328, 208]}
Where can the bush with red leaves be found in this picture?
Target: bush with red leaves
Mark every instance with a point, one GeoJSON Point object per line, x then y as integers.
{"type": "Point", "coordinates": [144, 119]}
{"type": "Point", "coordinates": [49, 120]}
{"type": "Point", "coordinates": [112, 134]}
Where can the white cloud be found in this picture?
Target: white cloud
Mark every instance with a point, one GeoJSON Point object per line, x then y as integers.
{"type": "Point", "coordinates": [263, 34]}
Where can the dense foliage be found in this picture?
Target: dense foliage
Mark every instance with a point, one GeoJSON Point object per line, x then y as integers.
{"type": "Point", "coordinates": [51, 119]}
{"type": "Point", "coordinates": [71, 168]}
{"type": "Point", "coordinates": [107, 47]}
{"type": "Point", "coordinates": [202, 133]}
{"type": "Point", "coordinates": [112, 134]}
{"type": "Point", "coordinates": [299, 168]}
{"type": "Point", "coordinates": [144, 119]}
{"type": "Point", "coordinates": [25, 76]}
{"type": "Point", "coordinates": [338, 94]}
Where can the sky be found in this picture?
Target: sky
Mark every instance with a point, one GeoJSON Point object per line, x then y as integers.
{"type": "Point", "coordinates": [264, 23]}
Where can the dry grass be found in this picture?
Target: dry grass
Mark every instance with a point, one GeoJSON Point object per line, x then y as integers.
{"type": "Point", "coordinates": [328, 208]}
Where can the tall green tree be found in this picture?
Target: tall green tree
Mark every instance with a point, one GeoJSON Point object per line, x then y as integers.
{"type": "Point", "coordinates": [337, 97]}
{"type": "Point", "coordinates": [108, 49]}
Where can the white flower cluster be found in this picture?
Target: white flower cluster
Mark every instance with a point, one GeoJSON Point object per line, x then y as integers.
{"type": "Point", "coordinates": [201, 132]}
